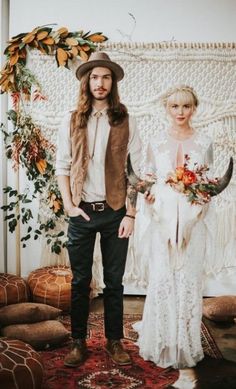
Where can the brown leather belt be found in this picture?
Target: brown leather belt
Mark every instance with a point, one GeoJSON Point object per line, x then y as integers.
{"type": "Point", "coordinates": [98, 206]}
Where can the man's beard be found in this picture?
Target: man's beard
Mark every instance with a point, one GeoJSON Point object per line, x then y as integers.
{"type": "Point", "coordinates": [100, 98]}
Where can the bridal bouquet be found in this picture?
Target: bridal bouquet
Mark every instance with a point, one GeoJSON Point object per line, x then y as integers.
{"type": "Point", "coordinates": [193, 183]}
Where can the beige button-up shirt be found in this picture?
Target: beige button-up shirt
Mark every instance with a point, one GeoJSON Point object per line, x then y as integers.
{"type": "Point", "coordinates": [94, 185]}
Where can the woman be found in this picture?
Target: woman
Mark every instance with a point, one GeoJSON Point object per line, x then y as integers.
{"type": "Point", "coordinates": [170, 331]}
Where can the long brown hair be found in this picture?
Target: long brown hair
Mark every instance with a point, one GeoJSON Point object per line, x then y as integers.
{"type": "Point", "coordinates": [117, 111]}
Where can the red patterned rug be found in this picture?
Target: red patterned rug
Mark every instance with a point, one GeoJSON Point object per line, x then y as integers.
{"type": "Point", "coordinates": [99, 372]}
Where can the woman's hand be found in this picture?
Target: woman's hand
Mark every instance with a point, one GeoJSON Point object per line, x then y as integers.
{"type": "Point", "coordinates": [149, 198]}
{"type": "Point", "coordinates": [126, 227]}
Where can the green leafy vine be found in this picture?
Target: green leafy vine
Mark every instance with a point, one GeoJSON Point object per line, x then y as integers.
{"type": "Point", "coordinates": [26, 146]}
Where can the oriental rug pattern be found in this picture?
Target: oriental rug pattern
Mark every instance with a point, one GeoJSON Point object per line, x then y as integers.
{"type": "Point", "coordinates": [99, 372]}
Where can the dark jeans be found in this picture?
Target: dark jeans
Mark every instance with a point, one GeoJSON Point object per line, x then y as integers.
{"type": "Point", "coordinates": [82, 234]}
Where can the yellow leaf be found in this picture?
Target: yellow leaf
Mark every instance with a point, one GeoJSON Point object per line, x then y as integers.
{"type": "Point", "coordinates": [85, 47]}
{"type": "Point", "coordinates": [71, 41]}
{"type": "Point", "coordinates": [83, 55]}
{"type": "Point", "coordinates": [96, 38]}
{"type": "Point", "coordinates": [6, 85]}
{"type": "Point", "coordinates": [74, 51]}
{"type": "Point", "coordinates": [62, 56]}
{"type": "Point", "coordinates": [42, 35]}
{"type": "Point", "coordinates": [28, 38]}
{"type": "Point", "coordinates": [14, 58]}
{"type": "Point", "coordinates": [48, 41]}
{"type": "Point", "coordinates": [3, 78]}
{"type": "Point", "coordinates": [13, 47]}
{"type": "Point", "coordinates": [41, 166]}
{"type": "Point", "coordinates": [70, 54]}
{"type": "Point", "coordinates": [63, 32]}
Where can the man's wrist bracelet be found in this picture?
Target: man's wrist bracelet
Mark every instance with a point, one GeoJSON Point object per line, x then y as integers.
{"type": "Point", "coordinates": [131, 217]}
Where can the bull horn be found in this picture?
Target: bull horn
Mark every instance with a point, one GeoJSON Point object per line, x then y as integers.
{"type": "Point", "coordinates": [223, 182]}
{"type": "Point", "coordinates": [140, 185]}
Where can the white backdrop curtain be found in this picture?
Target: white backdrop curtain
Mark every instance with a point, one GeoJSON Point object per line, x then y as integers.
{"type": "Point", "coordinates": [149, 70]}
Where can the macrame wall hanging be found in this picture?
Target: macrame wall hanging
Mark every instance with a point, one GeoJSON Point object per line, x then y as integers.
{"type": "Point", "coordinates": [149, 70]}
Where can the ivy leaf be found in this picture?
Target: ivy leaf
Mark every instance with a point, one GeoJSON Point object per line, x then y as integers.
{"type": "Point", "coordinates": [12, 225]}
{"type": "Point", "coordinates": [9, 216]}
{"type": "Point", "coordinates": [12, 193]}
{"type": "Point", "coordinates": [27, 237]}
{"type": "Point", "coordinates": [12, 115]}
{"type": "Point", "coordinates": [7, 189]}
{"type": "Point", "coordinates": [26, 201]}
{"type": "Point", "coordinates": [56, 248]}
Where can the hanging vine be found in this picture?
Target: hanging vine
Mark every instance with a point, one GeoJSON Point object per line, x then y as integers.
{"type": "Point", "coordinates": [26, 146]}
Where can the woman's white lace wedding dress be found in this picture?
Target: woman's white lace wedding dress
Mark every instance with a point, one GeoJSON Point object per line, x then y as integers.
{"type": "Point", "coordinates": [174, 232]}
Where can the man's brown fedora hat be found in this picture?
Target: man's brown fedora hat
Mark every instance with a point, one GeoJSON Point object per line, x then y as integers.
{"type": "Point", "coordinates": [100, 59]}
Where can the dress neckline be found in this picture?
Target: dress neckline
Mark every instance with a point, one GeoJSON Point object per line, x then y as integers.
{"type": "Point", "coordinates": [182, 140]}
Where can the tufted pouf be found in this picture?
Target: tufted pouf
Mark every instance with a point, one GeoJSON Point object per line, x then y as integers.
{"type": "Point", "coordinates": [21, 366]}
{"type": "Point", "coordinates": [13, 289]}
{"type": "Point", "coordinates": [52, 285]}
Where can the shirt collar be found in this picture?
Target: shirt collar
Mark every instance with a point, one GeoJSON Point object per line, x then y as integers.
{"type": "Point", "coordinates": [102, 111]}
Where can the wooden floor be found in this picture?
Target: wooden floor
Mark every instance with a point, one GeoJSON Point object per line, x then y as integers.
{"type": "Point", "coordinates": [224, 334]}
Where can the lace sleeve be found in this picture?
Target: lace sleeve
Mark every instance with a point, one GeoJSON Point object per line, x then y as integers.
{"type": "Point", "coordinates": [150, 164]}
{"type": "Point", "coordinates": [209, 156]}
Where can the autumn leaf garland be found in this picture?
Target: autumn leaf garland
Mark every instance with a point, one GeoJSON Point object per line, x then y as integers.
{"type": "Point", "coordinates": [65, 45]}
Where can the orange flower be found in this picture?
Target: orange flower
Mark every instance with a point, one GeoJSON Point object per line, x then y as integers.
{"type": "Point", "coordinates": [189, 177]}
{"type": "Point", "coordinates": [41, 166]}
{"type": "Point", "coordinates": [55, 203]}
{"type": "Point", "coordinates": [179, 172]}
{"type": "Point", "coordinates": [56, 206]}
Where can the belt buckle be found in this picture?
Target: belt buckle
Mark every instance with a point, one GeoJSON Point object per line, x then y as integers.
{"type": "Point", "coordinates": [98, 207]}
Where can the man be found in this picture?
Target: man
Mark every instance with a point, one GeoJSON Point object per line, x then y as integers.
{"type": "Point", "coordinates": [93, 144]}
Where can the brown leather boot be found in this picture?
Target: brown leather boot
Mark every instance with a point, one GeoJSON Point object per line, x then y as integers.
{"type": "Point", "coordinates": [117, 353]}
{"type": "Point", "coordinates": [77, 354]}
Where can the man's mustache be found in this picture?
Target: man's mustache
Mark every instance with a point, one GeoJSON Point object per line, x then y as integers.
{"type": "Point", "coordinates": [100, 90]}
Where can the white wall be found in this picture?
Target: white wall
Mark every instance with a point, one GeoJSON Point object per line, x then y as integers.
{"type": "Point", "coordinates": [4, 31]}
{"type": "Point", "coordinates": [155, 20]}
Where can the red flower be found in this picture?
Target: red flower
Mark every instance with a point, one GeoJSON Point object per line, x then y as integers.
{"type": "Point", "coordinates": [189, 177]}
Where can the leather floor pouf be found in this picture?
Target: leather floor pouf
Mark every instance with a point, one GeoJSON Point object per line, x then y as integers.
{"type": "Point", "coordinates": [21, 366]}
{"type": "Point", "coordinates": [52, 285]}
{"type": "Point", "coordinates": [13, 289]}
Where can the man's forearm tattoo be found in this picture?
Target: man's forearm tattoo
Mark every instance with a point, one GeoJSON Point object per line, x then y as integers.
{"type": "Point", "coordinates": [132, 195]}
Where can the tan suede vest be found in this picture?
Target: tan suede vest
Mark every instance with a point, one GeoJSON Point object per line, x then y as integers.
{"type": "Point", "coordinates": [115, 159]}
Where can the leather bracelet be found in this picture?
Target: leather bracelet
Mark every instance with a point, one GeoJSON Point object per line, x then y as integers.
{"type": "Point", "coordinates": [131, 217]}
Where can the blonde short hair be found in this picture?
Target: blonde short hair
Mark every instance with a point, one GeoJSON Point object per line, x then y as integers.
{"type": "Point", "coordinates": [180, 93]}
